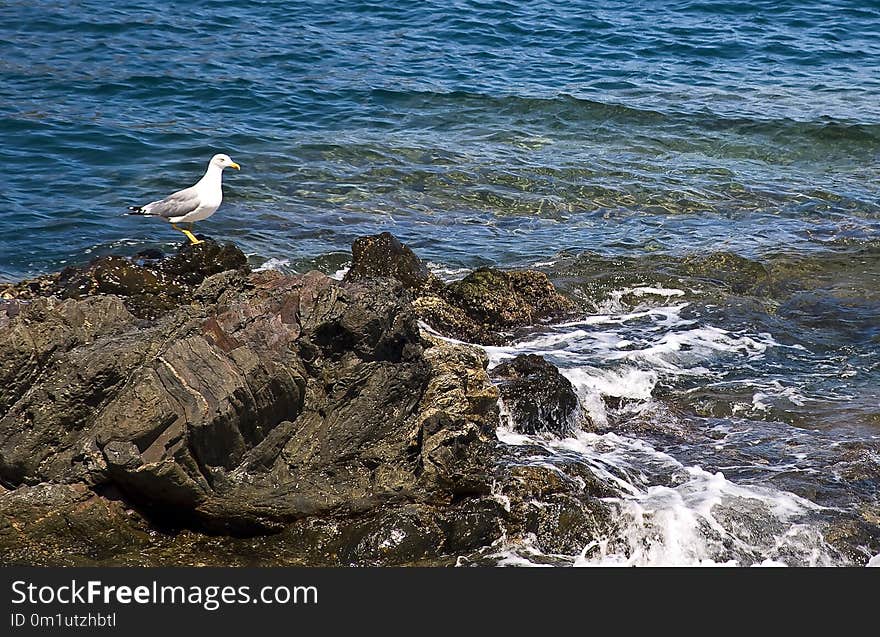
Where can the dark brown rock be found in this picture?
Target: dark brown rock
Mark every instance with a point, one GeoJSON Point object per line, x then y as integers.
{"type": "Point", "coordinates": [488, 305]}
{"type": "Point", "coordinates": [484, 307]}
{"type": "Point", "coordinates": [149, 286]}
{"type": "Point", "coordinates": [536, 396]}
{"type": "Point", "coordinates": [192, 264]}
{"type": "Point", "coordinates": [295, 397]}
{"type": "Point", "coordinates": [382, 255]}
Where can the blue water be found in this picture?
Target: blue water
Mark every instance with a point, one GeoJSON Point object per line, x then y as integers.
{"type": "Point", "coordinates": [460, 126]}
{"type": "Point", "coordinates": [610, 141]}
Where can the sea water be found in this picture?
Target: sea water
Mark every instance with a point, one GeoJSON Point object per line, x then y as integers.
{"type": "Point", "coordinates": [701, 176]}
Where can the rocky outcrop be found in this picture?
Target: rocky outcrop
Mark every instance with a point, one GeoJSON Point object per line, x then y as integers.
{"type": "Point", "coordinates": [488, 306]}
{"type": "Point", "coordinates": [485, 307]}
{"type": "Point", "coordinates": [537, 398]}
{"type": "Point", "coordinates": [383, 256]}
{"type": "Point", "coordinates": [293, 396]}
{"type": "Point", "coordinates": [557, 506]}
{"type": "Point", "coordinates": [297, 419]}
{"type": "Point", "coordinates": [150, 284]}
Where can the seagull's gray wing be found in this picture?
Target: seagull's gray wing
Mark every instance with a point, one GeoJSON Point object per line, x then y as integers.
{"type": "Point", "coordinates": [180, 203]}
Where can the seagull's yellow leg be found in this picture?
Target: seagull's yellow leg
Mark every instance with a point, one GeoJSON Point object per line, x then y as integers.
{"type": "Point", "coordinates": [189, 235]}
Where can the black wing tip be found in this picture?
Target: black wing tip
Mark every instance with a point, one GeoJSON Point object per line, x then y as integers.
{"type": "Point", "coordinates": [135, 210]}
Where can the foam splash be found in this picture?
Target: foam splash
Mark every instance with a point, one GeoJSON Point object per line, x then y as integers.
{"type": "Point", "coordinates": [627, 355]}
{"type": "Point", "coordinates": [615, 303]}
{"type": "Point", "coordinates": [273, 264]}
{"type": "Point", "coordinates": [693, 518]}
{"type": "Point", "coordinates": [447, 274]}
{"type": "Point", "coordinates": [710, 521]}
{"type": "Point", "coordinates": [591, 384]}
{"type": "Point", "coordinates": [656, 291]}
{"type": "Point", "coordinates": [667, 513]}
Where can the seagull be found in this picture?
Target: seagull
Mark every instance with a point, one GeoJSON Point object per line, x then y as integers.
{"type": "Point", "coordinates": [192, 204]}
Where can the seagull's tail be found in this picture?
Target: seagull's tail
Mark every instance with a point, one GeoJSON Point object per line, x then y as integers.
{"type": "Point", "coordinates": [137, 210]}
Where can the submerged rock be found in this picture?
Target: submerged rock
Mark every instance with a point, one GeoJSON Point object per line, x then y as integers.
{"type": "Point", "coordinates": [736, 273]}
{"type": "Point", "coordinates": [536, 396]}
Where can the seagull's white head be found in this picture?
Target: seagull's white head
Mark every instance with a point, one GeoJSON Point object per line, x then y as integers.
{"type": "Point", "coordinates": [224, 161]}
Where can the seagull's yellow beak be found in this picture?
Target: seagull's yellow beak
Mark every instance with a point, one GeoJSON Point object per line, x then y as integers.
{"type": "Point", "coordinates": [234, 165]}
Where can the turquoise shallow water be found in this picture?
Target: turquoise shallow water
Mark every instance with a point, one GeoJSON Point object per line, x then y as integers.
{"type": "Point", "coordinates": [723, 153]}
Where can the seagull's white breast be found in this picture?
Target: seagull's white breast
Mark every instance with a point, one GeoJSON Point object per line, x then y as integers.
{"type": "Point", "coordinates": [210, 194]}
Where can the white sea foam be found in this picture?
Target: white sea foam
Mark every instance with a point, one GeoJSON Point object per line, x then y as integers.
{"type": "Point", "coordinates": [592, 383]}
{"type": "Point", "coordinates": [446, 273]}
{"type": "Point", "coordinates": [615, 304]}
{"type": "Point", "coordinates": [626, 355]}
{"type": "Point", "coordinates": [340, 273]}
{"type": "Point", "coordinates": [709, 520]}
{"type": "Point", "coordinates": [656, 291]}
{"type": "Point", "coordinates": [273, 264]}
{"type": "Point", "coordinates": [682, 352]}
{"type": "Point", "coordinates": [667, 513]}
{"type": "Point", "coordinates": [699, 518]}
{"type": "Point", "coordinates": [773, 392]}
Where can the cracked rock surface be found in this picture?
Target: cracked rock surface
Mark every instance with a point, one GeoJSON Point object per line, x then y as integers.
{"type": "Point", "coordinates": [186, 410]}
